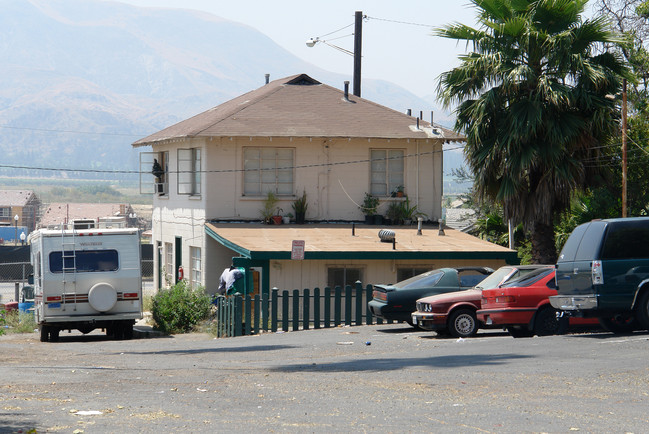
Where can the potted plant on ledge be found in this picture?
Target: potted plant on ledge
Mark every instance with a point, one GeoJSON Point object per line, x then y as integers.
{"type": "Point", "coordinates": [410, 212]}
{"type": "Point", "coordinates": [270, 205]}
{"type": "Point", "coordinates": [369, 206]}
{"type": "Point", "coordinates": [300, 206]}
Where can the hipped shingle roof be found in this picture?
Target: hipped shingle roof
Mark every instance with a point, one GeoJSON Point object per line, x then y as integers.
{"type": "Point", "coordinates": [299, 106]}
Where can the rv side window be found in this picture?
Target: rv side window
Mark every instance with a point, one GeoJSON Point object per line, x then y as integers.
{"type": "Point", "coordinates": [82, 261]}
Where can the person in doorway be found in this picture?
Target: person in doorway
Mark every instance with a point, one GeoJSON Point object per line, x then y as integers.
{"type": "Point", "coordinates": [157, 170]}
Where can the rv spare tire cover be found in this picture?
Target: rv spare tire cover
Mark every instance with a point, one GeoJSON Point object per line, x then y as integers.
{"type": "Point", "coordinates": [102, 297]}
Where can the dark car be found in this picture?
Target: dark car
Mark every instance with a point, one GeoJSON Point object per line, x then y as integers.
{"type": "Point", "coordinates": [397, 302]}
{"type": "Point", "coordinates": [454, 313]}
{"type": "Point", "coordinates": [603, 272]}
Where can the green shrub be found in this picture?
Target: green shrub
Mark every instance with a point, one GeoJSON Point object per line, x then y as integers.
{"type": "Point", "coordinates": [17, 322]}
{"type": "Point", "coordinates": [21, 322]}
{"type": "Point", "coordinates": [179, 309]}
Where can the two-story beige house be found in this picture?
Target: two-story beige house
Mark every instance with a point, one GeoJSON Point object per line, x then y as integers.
{"type": "Point", "coordinates": [292, 136]}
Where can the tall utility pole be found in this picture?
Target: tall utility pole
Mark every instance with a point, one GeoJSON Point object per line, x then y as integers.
{"type": "Point", "coordinates": [624, 160]}
{"type": "Point", "coordinates": [358, 43]}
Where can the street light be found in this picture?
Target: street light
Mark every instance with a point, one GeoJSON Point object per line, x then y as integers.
{"type": "Point", "coordinates": [16, 218]}
{"type": "Point", "coordinates": [358, 45]}
{"type": "Point", "coordinates": [22, 238]}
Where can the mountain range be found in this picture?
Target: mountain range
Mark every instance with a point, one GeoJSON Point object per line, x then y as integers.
{"type": "Point", "coordinates": [80, 80]}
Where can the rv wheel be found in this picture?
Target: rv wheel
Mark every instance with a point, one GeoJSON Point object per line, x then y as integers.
{"type": "Point", "coordinates": [45, 333]}
{"type": "Point", "coordinates": [128, 331]}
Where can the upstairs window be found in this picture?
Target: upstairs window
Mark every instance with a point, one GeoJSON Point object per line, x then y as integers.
{"type": "Point", "coordinates": [386, 171]}
{"type": "Point", "coordinates": [154, 173]}
{"type": "Point", "coordinates": [189, 171]}
{"type": "Point", "coordinates": [268, 169]}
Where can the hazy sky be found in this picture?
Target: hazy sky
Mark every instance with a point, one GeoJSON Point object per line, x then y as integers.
{"type": "Point", "coordinates": [405, 54]}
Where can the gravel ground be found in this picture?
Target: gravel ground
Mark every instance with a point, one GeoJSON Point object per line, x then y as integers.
{"type": "Point", "coordinates": [386, 378]}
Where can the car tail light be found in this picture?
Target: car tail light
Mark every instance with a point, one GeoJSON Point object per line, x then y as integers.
{"type": "Point", "coordinates": [506, 299]}
{"type": "Point", "coordinates": [597, 273]}
{"type": "Point", "coordinates": [380, 295]}
{"type": "Point", "coordinates": [53, 299]}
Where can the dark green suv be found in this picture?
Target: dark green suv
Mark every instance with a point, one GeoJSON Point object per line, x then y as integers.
{"type": "Point", "coordinates": [603, 271]}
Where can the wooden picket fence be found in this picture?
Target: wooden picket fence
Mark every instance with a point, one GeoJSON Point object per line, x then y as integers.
{"type": "Point", "coordinates": [294, 310]}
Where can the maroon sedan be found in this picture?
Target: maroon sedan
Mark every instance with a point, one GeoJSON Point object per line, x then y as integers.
{"type": "Point", "coordinates": [454, 313]}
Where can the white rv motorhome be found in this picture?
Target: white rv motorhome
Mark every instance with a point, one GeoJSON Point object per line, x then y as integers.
{"type": "Point", "coordinates": [86, 279]}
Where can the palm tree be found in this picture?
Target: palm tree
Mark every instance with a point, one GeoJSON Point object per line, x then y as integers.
{"type": "Point", "coordinates": [534, 101]}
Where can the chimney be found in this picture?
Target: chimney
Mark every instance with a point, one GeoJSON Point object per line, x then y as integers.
{"type": "Point", "coordinates": [346, 90]}
{"type": "Point", "coordinates": [431, 118]}
{"type": "Point", "coordinates": [267, 76]}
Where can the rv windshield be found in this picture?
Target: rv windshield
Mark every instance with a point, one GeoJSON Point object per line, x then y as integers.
{"type": "Point", "coordinates": [82, 261]}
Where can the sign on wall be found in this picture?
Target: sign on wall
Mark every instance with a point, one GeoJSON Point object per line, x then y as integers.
{"type": "Point", "coordinates": [297, 250]}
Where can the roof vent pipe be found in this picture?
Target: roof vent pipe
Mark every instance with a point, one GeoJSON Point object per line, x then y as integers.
{"type": "Point", "coordinates": [267, 78]}
{"type": "Point", "coordinates": [346, 90]}
{"type": "Point", "coordinates": [409, 112]}
{"type": "Point", "coordinates": [431, 117]}
{"type": "Point", "coordinates": [417, 123]}
{"type": "Point", "coordinates": [421, 115]}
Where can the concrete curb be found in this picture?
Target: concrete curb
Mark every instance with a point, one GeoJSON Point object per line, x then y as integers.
{"type": "Point", "coordinates": [146, 332]}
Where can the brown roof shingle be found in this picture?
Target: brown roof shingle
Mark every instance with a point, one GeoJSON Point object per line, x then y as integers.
{"type": "Point", "coordinates": [15, 197]}
{"type": "Point", "coordinates": [299, 106]}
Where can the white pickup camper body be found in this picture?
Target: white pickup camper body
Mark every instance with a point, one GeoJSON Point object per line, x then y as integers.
{"type": "Point", "coordinates": [86, 279]}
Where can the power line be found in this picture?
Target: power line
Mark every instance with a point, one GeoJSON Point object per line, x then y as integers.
{"type": "Point", "coordinates": [46, 130]}
{"type": "Point", "coordinates": [399, 22]}
{"type": "Point", "coordinates": [303, 166]}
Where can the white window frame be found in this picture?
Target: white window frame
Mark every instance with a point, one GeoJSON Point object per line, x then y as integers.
{"type": "Point", "coordinates": [148, 183]}
{"type": "Point", "coordinates": [268, 169]}
{"type": "Point", "coordinates": [196, 273]}
{"type": "Point", "coordinates": [189, 171]}
{"type": "Point", "coordinates": [387, 171]}
{"type": "Point", "coordinates": [5, 212]}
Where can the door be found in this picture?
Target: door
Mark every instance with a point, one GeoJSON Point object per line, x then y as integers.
{"type": "Point", "coordinates": [178, 257]}
{"type": "Point", "coordinates": [159, 250]}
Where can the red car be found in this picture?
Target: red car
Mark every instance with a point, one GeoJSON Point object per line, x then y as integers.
{"type": "Point", "coordinates": [454, 313]}
{"type": "Point", "coordinates": [523, 308]}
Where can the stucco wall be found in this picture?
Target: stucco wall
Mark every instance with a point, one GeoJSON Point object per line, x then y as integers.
{"type": "Point", "coordinates": [333, 189]}
{"type": "Point", "coordinates": [310, 274]}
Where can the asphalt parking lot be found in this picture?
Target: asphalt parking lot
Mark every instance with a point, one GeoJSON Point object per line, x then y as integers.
{"type": "Point", "coordinates": [385, 378]}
